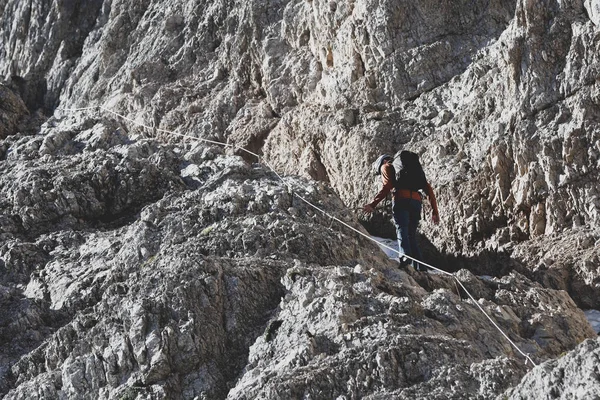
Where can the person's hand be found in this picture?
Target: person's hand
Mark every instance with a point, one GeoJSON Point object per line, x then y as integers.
{"type": "Point", "coordinates": [368, 208]}
{"type": "Point", "coordinates": [435, 217]}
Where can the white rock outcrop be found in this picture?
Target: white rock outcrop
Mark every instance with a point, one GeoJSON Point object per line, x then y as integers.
{"type": "Point", "coordinates": [137, 262]}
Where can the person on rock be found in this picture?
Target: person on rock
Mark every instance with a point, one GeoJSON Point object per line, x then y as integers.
{"type": "Point", "coordinates": [406, 186]}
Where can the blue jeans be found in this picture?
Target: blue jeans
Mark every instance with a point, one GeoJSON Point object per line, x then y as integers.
{"type": "Point", "coordinates": [407, 214]}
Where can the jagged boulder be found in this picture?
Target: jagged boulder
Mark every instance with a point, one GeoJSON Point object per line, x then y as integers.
{"type": "Point", "coordinates": [366, 333]}
{"type": "Point", "coordinates": [41, 50]}
{"type": "Point", "coordinates": [568, 262]}
{"type": "Point", "coordinates": [166, 299]}
{"type": "Point", "coordinates": [12, 110]}
{"type": "Point", "coordinates": [77, 178]}
{"type": "Point", "coordinates": [573, 375]}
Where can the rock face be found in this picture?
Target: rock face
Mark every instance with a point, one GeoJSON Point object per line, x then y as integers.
{"type": "Point", "coordinates": [12, 110]}
{"type": "Point", "coordinates": [343, 332]}
{"type": "Point", "coordinates": [531, 176]}
{"type": "Point", "coordinates": [137, 262]}
{"type": "Point", "coordinates": [574, 375]}
{"type": "Point", "coordinates": [159, 286]}
{"type": "Point", "coordinates": [202, 276]}
{"type": "Point", "coordinates": [500, 98]}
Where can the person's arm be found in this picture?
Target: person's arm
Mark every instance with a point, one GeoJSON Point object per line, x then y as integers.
{"type": "Point", "coordinates": [435, 214]}
{"type": "Point", "coordinates": [388, 176]}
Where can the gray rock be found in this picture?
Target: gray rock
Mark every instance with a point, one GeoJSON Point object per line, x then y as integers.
{"type": "Point", "coordinates": [233, 286]}
{"type": "Point", "coordinates": [572, 376]}
{"type": "Point", "coordinates": [167, 299]}
{"type": "Point", "coordinates": [358, 333]}
{"type": "Point", "coordinates": [137, 264]}
{"type": "Point", "coordinates": [12, 111]}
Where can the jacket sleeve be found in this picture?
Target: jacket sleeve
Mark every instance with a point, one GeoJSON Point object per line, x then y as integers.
{"type": "Point", "coordinates": [388, 176]}
{"type": "Point", "coordinates": [432, 200]}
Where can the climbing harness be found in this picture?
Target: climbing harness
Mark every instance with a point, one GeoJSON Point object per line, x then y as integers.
{"type": "Point", "coordinates": [332, 217]}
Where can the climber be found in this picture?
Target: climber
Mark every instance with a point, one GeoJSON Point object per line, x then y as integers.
{"type": "Point", "coordinates": [406, 201]}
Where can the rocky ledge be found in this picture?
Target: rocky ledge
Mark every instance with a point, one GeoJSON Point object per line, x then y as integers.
{"type": "Point", "coordinates": [135, 269]}
{"type": "Point", "coordinates": [136, 263]}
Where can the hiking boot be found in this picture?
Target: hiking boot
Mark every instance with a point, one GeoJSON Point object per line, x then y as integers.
{"type": "Point", "coordinates": [404, 262]}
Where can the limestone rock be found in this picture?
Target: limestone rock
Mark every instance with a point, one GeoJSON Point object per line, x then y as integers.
{"type": "Point", "coordinates": [574, 375]}
{"type": "Point", "coordinates": [221, 276]}
{"type": "Point", "coordinates": [109, 293]}
{"type": "Point", "coordinates": [12, 110]}
{"type": "Point", "coordinates": [358, 333]}
{"type": "Point", "coordinates": [569, 263]}
{"type": "Point", "coordinates": [136, 262]}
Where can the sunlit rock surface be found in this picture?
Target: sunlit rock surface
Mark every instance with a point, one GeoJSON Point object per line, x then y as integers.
{"type": "Point", "coordinates": [139, 263]}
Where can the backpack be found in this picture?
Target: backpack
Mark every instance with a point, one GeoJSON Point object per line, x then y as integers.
{"type": "Point", "coordinates": [376, 166]}
{"type": "Point", "coordinates": [409, 174]}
